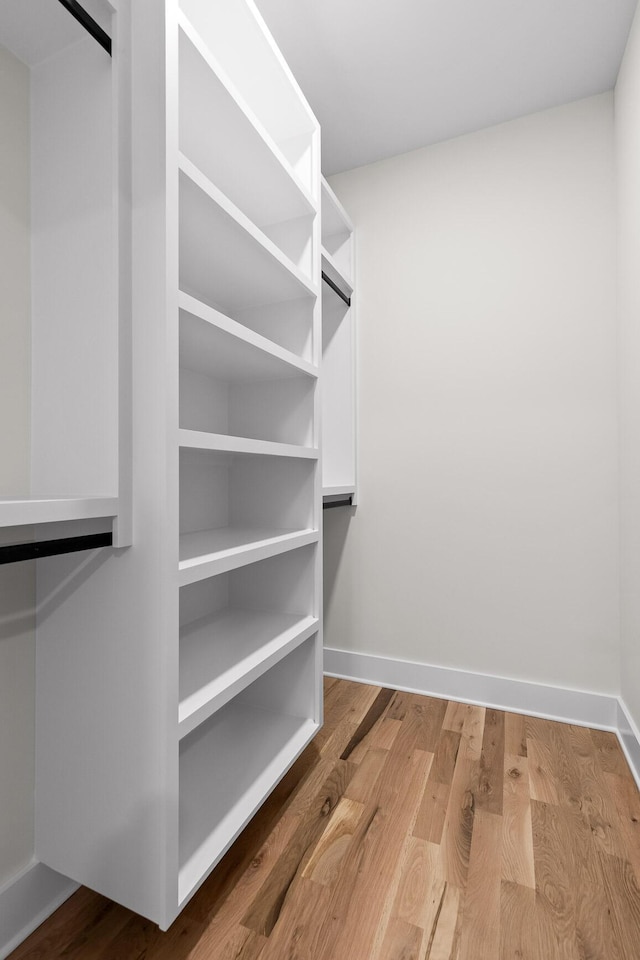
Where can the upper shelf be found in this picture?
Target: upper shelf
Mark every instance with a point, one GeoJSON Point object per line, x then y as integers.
{"type": "Point", "coordinates": [252, 170]}
{"type": "Point", "coordinates": [240, 41]}
{"type": "Point", "coordinates": [220, 248]}
{"type": "Point", "coordinates": [337, 241]}
{"type": "Point", "coordinates": [335, 219]}
{"type": "Point", "coordinates": [29, 510]}
{"type": "Point", "coordinates": [215, 345]}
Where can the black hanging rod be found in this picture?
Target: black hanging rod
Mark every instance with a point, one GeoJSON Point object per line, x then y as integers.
{"type": "Point", "coordinates": [336, 289]}
{"type": "Point", "coordinates": [342, 502]}
{"type": "Point", "coordinates": [14, 552]}
{"type": "Point", "coordinates": [87, 21]}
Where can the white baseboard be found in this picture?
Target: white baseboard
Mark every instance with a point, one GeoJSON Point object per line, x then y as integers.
{"type": "Point", "coordinates": [517, 696]}
{"type": "Point", "coordinates": [27, 900]}
{"type": "Point", "coordinates": [629, 737]}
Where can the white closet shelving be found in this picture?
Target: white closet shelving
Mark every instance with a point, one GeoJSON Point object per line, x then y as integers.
{"type": "Point", "coordinates": [180, 679]}
{"type": "Point", "coordinates": [79, 309]}
{"type": "Point", "coordinates": [339, 415]}
{"type": "Point", "coordinates": [249, 437]}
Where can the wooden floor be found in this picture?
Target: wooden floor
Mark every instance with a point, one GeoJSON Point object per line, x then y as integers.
{"type": "Point", "coordinates": [411, 829]}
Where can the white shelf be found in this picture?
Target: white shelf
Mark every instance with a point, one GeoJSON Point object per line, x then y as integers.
{"type": "Point", "coordinates": [335, 219]}
{"type": "Point", "coordinates": [237, 36]}
{"type": "Point", "coordinates": [251, 170]}
{"type": "Point", "coordinates": [31, 510]}
{"type": "Point", "coordinates": [199, 440]}
{"type": "Point", "coordinates": [223, 653]}
{"type": "Point", "coordinates": [347, 490]}
{"type": "Point", "coordinates": [209, 552]}
{"type": "Point", "coordinates": [333, 271]}
{"type": "Point", "coordinates": [221, 249]}
{"type": "Point", "coordinates": [225, 774]}
{"type": "Point", "coordinates": [214, 344]}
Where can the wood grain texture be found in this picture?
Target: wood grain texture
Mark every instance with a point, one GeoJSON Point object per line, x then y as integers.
{"type": "Point", "coordinates": [481, 919]}
{"type": "Point", "coordinates": [410, 829]}
{"type": "Point", "coordinates": [517, 836]}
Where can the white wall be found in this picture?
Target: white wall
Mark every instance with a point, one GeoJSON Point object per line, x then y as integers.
{"type": "Point", "coordinates": [627, 116]}
{"type": "Point", "coordinates": [17, 644]}
{"type": "Point", "coordinates": [486, 537]}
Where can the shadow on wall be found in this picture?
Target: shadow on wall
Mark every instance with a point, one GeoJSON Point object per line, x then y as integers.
{"type": "Point", "coordinates": [336, 524]}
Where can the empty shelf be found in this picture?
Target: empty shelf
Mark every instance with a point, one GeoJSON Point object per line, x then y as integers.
{"type": "Point", "coordinates": [215, 345]}
{"type": "Point", "coordinates": [206, 553]}
{"type": "Point", "coordinates": [201, 440]}
{"type": "Point", "coordinates": [220, 248]}
{"type": "Point", "coordinates": [252, 170]}
{"type": "Point", "coordinates": [28, 510]}
{"type": "Point", "coordinates": [226, 772]}
{"type": "Point", "coordinates": [224, 652]}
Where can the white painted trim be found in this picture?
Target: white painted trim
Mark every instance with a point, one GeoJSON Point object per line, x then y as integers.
{"type": "Point", "coordinates": [517, 696]}
{"type": "Point", "coordinates": [27, 900]}
{"type": "Point", "coordinates": [629, 737]}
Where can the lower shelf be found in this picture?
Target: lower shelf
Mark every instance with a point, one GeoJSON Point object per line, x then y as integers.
{"type": "Point", "coordinates": [224, 652]}
{"type": "Point", "coordinates": [228, 767]}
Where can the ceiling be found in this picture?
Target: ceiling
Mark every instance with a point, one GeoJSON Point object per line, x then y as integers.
{"type": "Point", "coordinates": [387, 76]}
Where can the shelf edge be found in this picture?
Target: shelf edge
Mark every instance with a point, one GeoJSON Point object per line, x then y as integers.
{"type": "Point", "coordinates": [212, 564]}
{"type": "Point", "coordinates": [223, 443]}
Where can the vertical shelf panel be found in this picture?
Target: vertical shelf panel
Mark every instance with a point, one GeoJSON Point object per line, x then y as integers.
{"type": "Point", "coordinates": [339, 401]}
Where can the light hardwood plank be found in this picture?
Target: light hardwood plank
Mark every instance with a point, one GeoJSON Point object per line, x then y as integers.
{"type": "Point", "coordinates": [481, 922]}
{"type": "Point", "coordinates": [556, 903]}
{"type": "Point", "coordinates": [444, 939]}
{"type": "Point", "coordinates": [472, 733]}
{"type": "Point", "coordinates": [458, 826]}
{"type": "Point", "coordinates": [491, 769]}
{"type": "Point", "coordinates": [518, 933]}
{"type": "Point", "coordinates": [610, 755]}
{"type": "Point", "coordinates": [515, 734]}
{"type": "Point", "coordinates": [401, 942]}
{"type": "Point", "coordinates": [541, 781]}
{"type": "Point", "coordinates": [627, 803]}
{"type": "Point", "coordinates": [323, 866]}
{"type": "Point", "coordinates": [517, 831]}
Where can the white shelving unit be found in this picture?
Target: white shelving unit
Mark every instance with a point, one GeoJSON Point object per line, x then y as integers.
{"type": "Point", "coordinates": [179, 680]}
{"type": "Point", "coordinates": [255, 738]}
{"type": "Point", "coordinates": [339, 412]}
{"type": "Point", "coordinates": [80, 271]}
